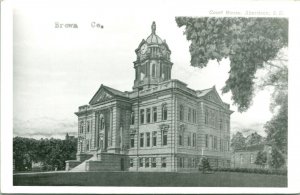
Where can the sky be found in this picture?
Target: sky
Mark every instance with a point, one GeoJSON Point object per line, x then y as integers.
{"type": "Point", "coordinates": [55, 70]}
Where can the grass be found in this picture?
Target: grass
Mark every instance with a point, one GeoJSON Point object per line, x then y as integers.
{"type": "Point", "coordinates": [149, 179]}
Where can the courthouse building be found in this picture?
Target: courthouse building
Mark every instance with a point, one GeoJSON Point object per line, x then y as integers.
{"type": "Point", "coordinates": [161, 125]}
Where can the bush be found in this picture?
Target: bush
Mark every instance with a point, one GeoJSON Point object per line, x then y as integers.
{"type": "Point", "coordinates": [259, 171]}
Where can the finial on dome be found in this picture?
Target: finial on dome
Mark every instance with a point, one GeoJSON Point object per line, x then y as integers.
{"type": "Point", "coordinates": [153, 27]}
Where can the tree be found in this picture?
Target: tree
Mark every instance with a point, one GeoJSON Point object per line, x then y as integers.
{"type": "Point", "coordinates": [253, 139]}
{"type": "Point", "coordinates": [249, 43]}
{"type": "Point", "coordinates": [261, 158]}
{"type": "Point", "coordinates": [238, 141]}
{"type": "Point", "coordinates": [277, 159]}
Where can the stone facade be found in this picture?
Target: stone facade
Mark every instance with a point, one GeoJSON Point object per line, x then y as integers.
{"type": "Point", "coordinates": [162, 125]}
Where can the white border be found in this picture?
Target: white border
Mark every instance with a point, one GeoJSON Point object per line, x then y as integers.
{"type": "Point", "coordinates": [180, 7]}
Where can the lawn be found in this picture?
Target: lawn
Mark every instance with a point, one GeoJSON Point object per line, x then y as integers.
{"type": "Point", "coordinates": [218, 179]}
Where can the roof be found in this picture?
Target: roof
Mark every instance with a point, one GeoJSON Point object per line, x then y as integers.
{"type": "Point", "coordinates": [257, 147]}
{"type": "Point", "coordinates": [114, 91]}
{"type": "Point", "coordinates": [153, 38]}
{"type": "Point", "coordinates": [201, 93]}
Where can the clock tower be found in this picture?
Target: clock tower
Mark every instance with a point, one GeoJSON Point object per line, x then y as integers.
{"type": "Point", "coordinates": [153, 64]}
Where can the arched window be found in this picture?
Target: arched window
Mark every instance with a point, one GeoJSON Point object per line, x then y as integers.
{"type": "Point", "coordinates": [164, 112]}
{"type": "Point", "coordinates": [181, 112]}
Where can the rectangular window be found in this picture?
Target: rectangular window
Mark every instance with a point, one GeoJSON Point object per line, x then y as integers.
{"type": "Point", "coordinates": [141, 162]}
{"type": "Point", "coordinates": [164, 162]}
{"type": "Point", "coordinates": [189, 140]}
{"type": "Point", "coordinates": [153, 162]}
{"type": "Point", "coordinates": [194, 162]}
{"type": "Point", "coordinates": [206, 116]}
{"type": "Point", "coordinates": [142, 140]}
{"type": "Point", "coordinates": [189, 162]}
{"type": "Point", "coordinates": [154, 114]}
{"type": "Point", "coordinates": [189, 114]}
{"type": "Point", "coordinates": [88, 126]}
{"type": "Point", "coordinates": [206, 141]}
{"type": "Point", "coordinates": [181, 162]}
{"type": "Point", "coordinates": [211, 140]}
{"type": "Point", "coordinates": [181, 112]}
{"type": "Point", "coordinates": [165, 138]}
{"type": "Point", "coordinates": [132, 118]}
{"type": "Point", "coordinates": [215, 143]}
{"type": "Point", "coordinates": [132, 141]}
{"type": "Point", "coordinates": [148, 139]}
{"type": "Point", "coordinates": [146, 162]}
{"type": "Point", "coordinates": [251, 158]}
{"type": "Point", "coordinates": [154, 138]}
{"type": "Point", "coordinates": [131, 162]}
{"type": "Point", "coordinates": [164, 112]}
{"type": "Point", "coordinates": [142, 116]}
{"type": "Point", "coordinates": [194, 139]}
{"type": "Point", "coordinates": [194, 116]}
{"type": "Point", "coordinates": [148, 114]}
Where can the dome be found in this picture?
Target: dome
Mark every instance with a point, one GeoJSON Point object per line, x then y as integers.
{"type": "Point", "coordinates": [153, 38]}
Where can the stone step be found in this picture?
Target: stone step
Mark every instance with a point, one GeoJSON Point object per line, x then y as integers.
{"type": "Point", "coordinates": [81, 167]}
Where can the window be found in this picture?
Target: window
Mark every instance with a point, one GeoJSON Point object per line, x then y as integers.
{"type": "Point", "coordinates": [148, 139]}
{"type": "Point", "coordinates": [148, 115]}
{"type": "Point", "coordinates": [132, 141]}
{"type": "Point", "coordinates": [131, 162]}
{"type": "Point", "coordinates": [154, 114]}
{"type": "Point", "coordinates": [146, 162]}
{"type": "Point", "coordinates": [211, 142]}
{"type": "Point", "coordinates": [189, 162]}
{"type": "Point", "coordinates": [193, 162]}
{"type": "Point", "coordinates": [215, 142]}
{"type": "Point", "coordinates": [154, 138]}
{"type": "Point", "coordinates": [132, 117]}
{"type": "Point", "coordinates": [206, 116]}
{"type": "Point", "coordinates": [81, 128]}
{"type": "Point", "coordinates": [180, 139]}
{"type": "Point", "coordinates": [194, 116]}
{"type": "Point", "coordinates": [153, 70]}
{"type": "Point", "coordinates": [142, 140]}
{"type": "Point", "coordinates": [251, 158]}
{"type": "Point", "coordinates": [141, 162]}
{"type": "Point", "coordinates": [190, 115]}
{"type": "Point", "coordinates": [153, 162]}
{"type": "Point", "coordinates": [142, 116]}
{"type": "Point", "coordinates": [88, 145]}
{"type": "Point", "coordinates": [181, 112]}
{"type": "Point", "coordinates": [221, 124]}
{"type": "Point", "coordinates": [88, 127]}
{"type": "Point", "coordinates": [241, 159]}
{"type": "Point", "coordinates": [102, 123]}
{"type": "Point", "coordinates": [194, 140]}
{"type": "Point", "coordinates": [181, 162]}
{"type": "Point", "coordinates": [164, 112]}
{"type": "Point", "coordinates": [164, 162]}
{"type": "Point", "coordinates": [206, 141]}
{"type": "Point", "coordinates": [189, 140]}
{"type": "Point", "coordinates": [165, 138]}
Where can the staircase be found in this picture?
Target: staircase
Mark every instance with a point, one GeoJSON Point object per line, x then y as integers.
{"type": "Point", "coordinates": [82, 167]}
